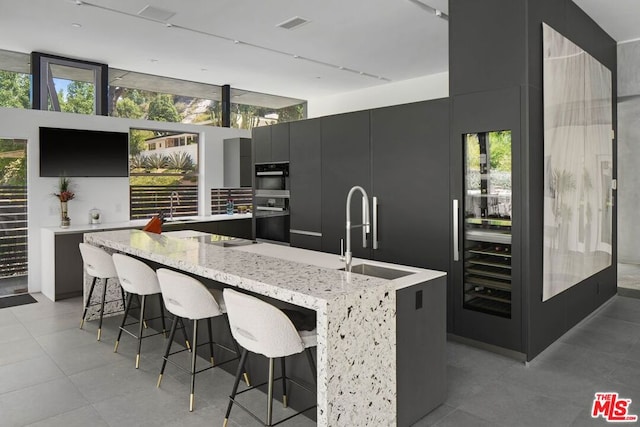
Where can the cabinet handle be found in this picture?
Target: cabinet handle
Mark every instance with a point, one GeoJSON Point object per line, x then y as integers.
{"type": "Point", "coordinates": [456, 252]}
{"type": "Point", "coordinates": [375, 223]}
{"type": "Point", "coordinates": [365, 222]}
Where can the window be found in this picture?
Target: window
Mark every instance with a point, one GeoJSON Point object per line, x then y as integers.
{"type": "Point", "coordinates": [82, 87]}
{"type": "Point", "coordinates": [69, 85]}
{"type": "Point", "coordinates": [15, 80]}
{"type": "Point", "coordinates": [163, 177]}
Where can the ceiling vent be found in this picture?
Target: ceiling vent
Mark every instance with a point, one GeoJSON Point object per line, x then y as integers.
{"type": "Point", "coordinates": [293, 23]}
{"type": "Point", "coordinates": [155, 13]}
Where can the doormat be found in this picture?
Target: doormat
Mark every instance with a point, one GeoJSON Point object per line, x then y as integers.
{"type": "Point", "coordinates": [15, 300]}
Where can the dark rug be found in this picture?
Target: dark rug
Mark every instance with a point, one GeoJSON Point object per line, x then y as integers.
{"type": "Point", "coordinates": [15, 300]}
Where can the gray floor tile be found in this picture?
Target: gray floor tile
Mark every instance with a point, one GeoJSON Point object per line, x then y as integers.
{"type": "Point", "coordinates": [7, 318]}
{"type": "Point", "coordinates": [108, 381]}
{"type": "Point", "coordinates": [39, 402]}
{"type": "Point", "coordinates": [151, 407]}
{"type": "Point", "coordinates": [604, 334]}
{"type": "Point", "coordinates": [13, 332]}
{"type": "Point", "coordinates": [52, 324]}
{"type": "Point", "coordinates": [83, 357]}
{"type": "Point", "coordinates": [570, 387]}
{"type": "Point", "coordinates": [28, 372]}
{"type": "Point", "coordinates": [510, 405]}
{"type": "Point", "coordinates": [82, 417]}
{"type": "Point", "coordinates": [460, 418]}
{"type": "Point", "coordinates": [20, 350]}
{"type": "Point", "coordinates": [435, 416]}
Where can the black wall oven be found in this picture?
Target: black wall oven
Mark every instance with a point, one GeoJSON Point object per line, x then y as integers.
{"type": "Point", "coordinates": [271, 201]}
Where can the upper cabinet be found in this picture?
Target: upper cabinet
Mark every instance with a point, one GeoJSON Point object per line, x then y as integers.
{"type": "Point", "coordinates": [271, 143]}
{"type": "Point", "coordinates": [237, 162]}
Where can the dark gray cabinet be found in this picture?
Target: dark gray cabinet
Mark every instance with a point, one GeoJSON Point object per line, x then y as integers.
{"type": "Point", "coordinates": [345, 162]}
{"type": "Point", "coordinates": [280, 142]}
{"type": "Point", "coordinates": [305, 184]}
{"type": "Point", "coordinates": [421, 356]}
{"type": "Point", "coordinates": [232, 227]}
{"type": "Point", "coordinates": [410, 152]}
{"type": "Point", "coordinates": [271, 143]}
{"type": "Point", "coordinates": [68, 265]}
{"type": "Point", "coordinates": [261, 142]}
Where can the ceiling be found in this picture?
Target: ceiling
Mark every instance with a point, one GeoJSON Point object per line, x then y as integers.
{"type": "Point", "coordinates": [345, 45]}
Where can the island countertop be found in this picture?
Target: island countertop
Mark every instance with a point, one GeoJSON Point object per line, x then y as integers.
{"type": "Point", "coordinates": [355, 313]}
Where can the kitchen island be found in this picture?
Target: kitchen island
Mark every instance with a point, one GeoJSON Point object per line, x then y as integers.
{"type": "Point", "coordinates": [355, 313]}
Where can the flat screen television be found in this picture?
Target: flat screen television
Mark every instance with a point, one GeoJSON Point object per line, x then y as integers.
{"type": "Point", "coordinates": [83, 153]}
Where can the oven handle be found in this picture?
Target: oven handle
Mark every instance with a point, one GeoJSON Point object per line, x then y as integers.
{"type": "Point", "coordinates": [270, 173]}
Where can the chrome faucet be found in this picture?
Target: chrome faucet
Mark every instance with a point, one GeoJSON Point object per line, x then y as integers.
{"type": "Point", "coordinates": [177, 196]}
{"type": "Point", "coordinates": [365, 224]}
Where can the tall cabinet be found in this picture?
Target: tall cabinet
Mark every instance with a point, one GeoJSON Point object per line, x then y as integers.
{"type": "Point", "coordinates": [306, 185]}
{"type": "Point", "coordinates": [409, 157]}
{"type": "Point", "coordinates": [346, 162]}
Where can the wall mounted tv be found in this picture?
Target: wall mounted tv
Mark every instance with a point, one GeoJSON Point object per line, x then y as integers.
{"type": "Point", "coordinates": [83, 153]}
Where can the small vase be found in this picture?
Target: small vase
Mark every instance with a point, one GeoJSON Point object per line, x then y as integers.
{"type": "Point", "coordinates": [64, 217]}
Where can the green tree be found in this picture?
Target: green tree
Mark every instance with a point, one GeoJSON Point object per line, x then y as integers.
{"type": "Point", "coordinates": [500, 146]}
{"type": "Point", "coordinates": [137, 138]}
{"type": "Point", "coordinates": [291, 113]}
{"type": "Point", "coordinates": [126, 108]}
{"type": "Point", "coordinates": [14, 90]}
{"type": "Point", "coordinates": [80, 98]}
{"type": "Point", "coordinates": [162, 109]}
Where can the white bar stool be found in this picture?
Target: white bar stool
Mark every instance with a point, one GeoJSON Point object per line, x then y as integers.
{"type": "Point", "coordinates": [137, 278]}
{"type": "Point", "coordinates": [99, 265]}
{"type": "Point", "coordinates": [188, 298]}
{"type": "Point", "coordinates": [261, 328]}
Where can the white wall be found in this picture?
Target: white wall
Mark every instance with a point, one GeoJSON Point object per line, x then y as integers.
{"type": "Point", "coordinates": [403, 92]}
{"type": "Point", "coordinates": [110, 195]}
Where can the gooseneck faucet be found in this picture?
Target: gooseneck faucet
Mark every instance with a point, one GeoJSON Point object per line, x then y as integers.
{"type": "Point", "coordinates": [177, 196]}
{"type": "Point", "coordinates": [365, 223]}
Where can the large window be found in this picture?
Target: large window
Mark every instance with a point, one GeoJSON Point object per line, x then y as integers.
{"type": "Point", "coordinates": [163, 174]}
{"type": "Point", "coordinates": [74, 86]}
{"type": "Point", "coordinates": [144, 96]}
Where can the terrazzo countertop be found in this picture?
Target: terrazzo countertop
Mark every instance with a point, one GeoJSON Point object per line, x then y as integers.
{"type": "Point", "coordinates": [356, 319]}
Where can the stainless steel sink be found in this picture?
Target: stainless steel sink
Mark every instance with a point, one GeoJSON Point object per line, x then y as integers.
{"type": "Point", "coordinates": [377, 271]}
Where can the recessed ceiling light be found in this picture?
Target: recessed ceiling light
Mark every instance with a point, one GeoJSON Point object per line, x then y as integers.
{"type": "Point", "coordinates": [153, 60]}
{"type": "Point", "coordinates": [76, 25]}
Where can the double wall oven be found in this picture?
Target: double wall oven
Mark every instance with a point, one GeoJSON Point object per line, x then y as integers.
{"type": "Point", "coordinates": [271, 201]}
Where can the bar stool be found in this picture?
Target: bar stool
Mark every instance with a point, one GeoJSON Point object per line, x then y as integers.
{"type": "Point", "coordinates": [99, 265]}
{"type": "Point", "coordinates": [138, 279]}
{"type": "Point", "coordinates": [188, 298]}
{"type": "Point", "coordinates": [261, 328]}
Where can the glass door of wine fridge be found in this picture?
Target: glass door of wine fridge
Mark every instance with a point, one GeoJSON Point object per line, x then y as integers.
{"type": "Point", "coordinates": [487, 223]}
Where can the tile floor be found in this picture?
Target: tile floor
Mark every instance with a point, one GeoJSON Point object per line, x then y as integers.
{"type": "Point", "coordinates": [54, 374]}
